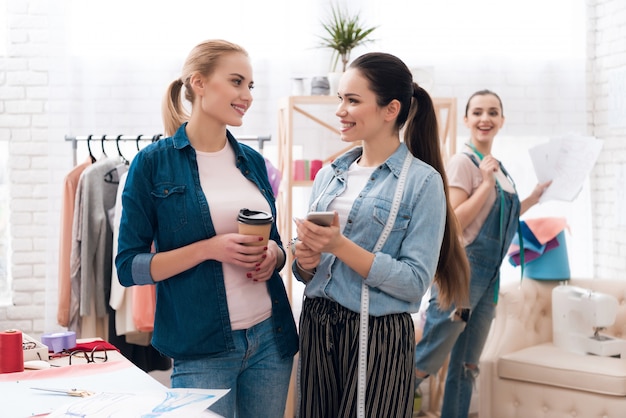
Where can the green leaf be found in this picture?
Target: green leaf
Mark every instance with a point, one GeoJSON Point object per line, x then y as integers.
{"type": "Point", "coordinates": [343, 33]}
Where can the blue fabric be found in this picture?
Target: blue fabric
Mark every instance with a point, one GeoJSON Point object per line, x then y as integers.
{"type": "Point", "coordinates": [163, 202]}
{"type": "Point", "coordinates": [404, 268]}
{"type": "Point", "coordinates": [255, 373]}
{"type": "Point", "coordinates": [529, 244]}
{"type": "Point", "coordinates": [529, 237]}
{"type": "Point", "coordinates": [463, 341]}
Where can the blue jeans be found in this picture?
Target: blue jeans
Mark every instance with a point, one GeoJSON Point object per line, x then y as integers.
{"type": "Point", "coordinates": [257, 377]}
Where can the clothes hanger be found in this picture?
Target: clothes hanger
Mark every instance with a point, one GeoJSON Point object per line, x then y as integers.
{"type": "Point", "coordinates": [119, 151]}
{"type": "Point", "coordinates": [108, 176]}
{"type": "Point", "coordinates": [102, 145]}
{"type": "Point", "coordinates": [93, 159]}
{"type": "Point", "coordinates": [137, 142]}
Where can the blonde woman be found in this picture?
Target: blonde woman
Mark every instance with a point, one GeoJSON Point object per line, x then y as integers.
{"type": "Point", "coordinates": [222, 311]}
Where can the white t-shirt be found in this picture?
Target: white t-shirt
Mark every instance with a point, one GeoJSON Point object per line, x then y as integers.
{"type": "Point", "coordinates": [227, 191]}
{"type": "Point", "coordinates": [357, 179]}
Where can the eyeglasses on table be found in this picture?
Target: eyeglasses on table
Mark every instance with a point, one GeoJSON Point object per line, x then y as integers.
{"type": "Point", "coordinates": [97, 355]}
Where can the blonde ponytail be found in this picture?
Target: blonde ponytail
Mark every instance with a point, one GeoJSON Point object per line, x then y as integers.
{"type": "Point", "coordinates": [173, 112]}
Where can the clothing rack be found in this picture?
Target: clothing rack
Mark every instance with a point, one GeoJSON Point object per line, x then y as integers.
{"type": "Point", "coordinates": [103, 138]}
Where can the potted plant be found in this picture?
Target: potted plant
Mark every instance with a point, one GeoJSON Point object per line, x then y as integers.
{"type": "Point", "coordinates": [343, 33]}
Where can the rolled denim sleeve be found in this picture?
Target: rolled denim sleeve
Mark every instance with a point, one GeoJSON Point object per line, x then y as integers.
{"type": "Point", "coordinates": [141, 269]}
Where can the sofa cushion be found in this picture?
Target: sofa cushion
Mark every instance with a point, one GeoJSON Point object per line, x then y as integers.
{"type": "Point", "coordinates": [549, 365]}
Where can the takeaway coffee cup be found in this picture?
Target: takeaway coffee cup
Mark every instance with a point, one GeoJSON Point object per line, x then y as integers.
{"type": "Point", "coordinates": [254, 222]}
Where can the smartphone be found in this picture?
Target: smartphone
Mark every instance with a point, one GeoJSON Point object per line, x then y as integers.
{"type": "Point", "coordinates": [321, 218]}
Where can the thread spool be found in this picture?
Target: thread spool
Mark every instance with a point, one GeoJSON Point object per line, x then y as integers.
{"type": "Point", "coordinates": [11, 351]}
{"type": "Point", "coordinates": [298, 170]}
{"type": "Point", "coordinates": [316, 166]}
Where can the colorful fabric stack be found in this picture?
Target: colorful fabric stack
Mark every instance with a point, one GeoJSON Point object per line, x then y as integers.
{"type": "Point", "coordinates": [545, 249]}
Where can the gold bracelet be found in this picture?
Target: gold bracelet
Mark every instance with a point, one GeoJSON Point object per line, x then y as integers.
{"type": "Point", "coordinates": [312, 273]}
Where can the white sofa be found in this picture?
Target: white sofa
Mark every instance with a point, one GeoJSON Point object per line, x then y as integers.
{"type": "Point", "coordinates": [523, 375]}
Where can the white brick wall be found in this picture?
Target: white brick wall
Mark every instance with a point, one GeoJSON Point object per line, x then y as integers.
{"type": "Point", "coordinates": [23, 86]}
{"type": "Point", "coordinates": [607, 55]}
{"type": "Point", "coordinates": [39, 105]}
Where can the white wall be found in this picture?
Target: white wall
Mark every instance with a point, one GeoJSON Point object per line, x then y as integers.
{"type": "Point", "coordinates": [78, 74]}
{"type": "Point", "coordinates": [607, 121]}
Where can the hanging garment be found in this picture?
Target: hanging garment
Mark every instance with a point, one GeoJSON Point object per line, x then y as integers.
{"type": "Point", "coordinates": [90, 265]}
{"type": "Point", "coordinates": [70, 185]}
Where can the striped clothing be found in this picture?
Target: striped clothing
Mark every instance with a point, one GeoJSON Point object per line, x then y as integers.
{"type": "Point", "coordinates": [329, 341]}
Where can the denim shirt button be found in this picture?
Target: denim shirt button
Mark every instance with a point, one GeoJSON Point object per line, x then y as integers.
{"type": "Point", "coordinates": [166, 191]}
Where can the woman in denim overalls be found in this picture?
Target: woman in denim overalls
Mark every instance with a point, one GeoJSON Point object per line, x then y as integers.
{"type": "Point", "coordinates": [488, 209]}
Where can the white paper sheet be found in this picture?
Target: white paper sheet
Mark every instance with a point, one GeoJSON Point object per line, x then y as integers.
{"type": "Point", "coordinates": [162, 404]}
{"type": "Point", "coordinates": [566, 161]}
{"type": "Point", "coordinates": [133, 390]}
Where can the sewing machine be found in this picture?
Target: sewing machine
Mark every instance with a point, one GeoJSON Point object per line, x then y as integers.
{"type": "Point", "coordinates": [578, 316]}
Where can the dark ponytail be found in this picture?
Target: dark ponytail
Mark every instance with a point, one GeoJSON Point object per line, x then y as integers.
{"type": "Point", "coordinates": [422, 138]}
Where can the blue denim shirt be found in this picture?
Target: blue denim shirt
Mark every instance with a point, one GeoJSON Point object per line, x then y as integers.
{"type": "Point", "coordinates": [406, 265]}
{"type": "Point", "coordinates": [163, 202]}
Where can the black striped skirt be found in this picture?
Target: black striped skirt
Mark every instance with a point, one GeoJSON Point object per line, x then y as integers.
{"type": "Point", "coordinates": [329, 354]}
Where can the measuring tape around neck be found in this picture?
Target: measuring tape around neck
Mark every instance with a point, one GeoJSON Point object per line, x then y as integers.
{"type": "Point", "coordinates": [364, 325]}
{"type": "Point", "coordinates": [498, 187]}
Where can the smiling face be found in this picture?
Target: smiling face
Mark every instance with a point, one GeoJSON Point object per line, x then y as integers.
{"type": "Point", "coordinates": [360, 116]}
{"type": "Point", "coordinates": [484, 119]}
{"type": "Point", "coordinates": [225, 95]}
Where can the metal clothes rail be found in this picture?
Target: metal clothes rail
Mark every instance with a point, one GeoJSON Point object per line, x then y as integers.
{"type": "Point", "coordinates": [103, 138]}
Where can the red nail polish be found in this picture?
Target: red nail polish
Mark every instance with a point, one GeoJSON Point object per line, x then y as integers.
{"type": "Point", "coordinates": [257, 269]}
{"type": "Point", "coordinates": [249, 275]}
{"type": "Point", "coordinates": [260, 238]}
{"type": "Point", "coordinates": [264, 248]}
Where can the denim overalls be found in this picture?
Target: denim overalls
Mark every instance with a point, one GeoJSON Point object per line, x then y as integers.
{"type": "Point", "coordinates": [466, 340]}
